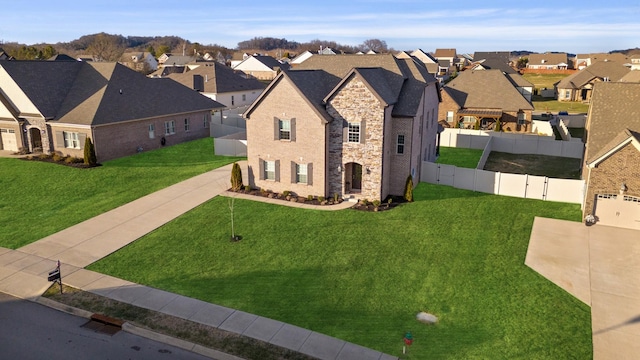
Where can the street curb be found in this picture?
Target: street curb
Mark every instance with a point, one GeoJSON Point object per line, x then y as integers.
{"type": "Point", "coordinates": [135, 330]}
{"type": "Point", "coordinates": [62, 307]}
{"type": "Point", "coordinates": [179, 343]}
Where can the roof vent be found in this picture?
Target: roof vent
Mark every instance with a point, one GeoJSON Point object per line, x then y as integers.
{"type": "Point", "coordinates": [120, 91]}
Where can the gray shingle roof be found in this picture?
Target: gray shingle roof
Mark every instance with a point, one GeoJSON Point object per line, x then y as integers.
{"type": "Point", "coordinates": [494, 60]}
{"type": "Point", "coordinates": [486, 89]}
{"type": "Point", "coordinates": [632, 76]}
{"type": "Point", "coordinates": [98, 93]}
{"type": "Point", "coordinates": [218, 78]}
{"type": "Point", "coordinates": [601, 69]}
{"type": "Point", "coordinates": [548, 59]}
{"type": "Point", "coordinates": [615, 107]}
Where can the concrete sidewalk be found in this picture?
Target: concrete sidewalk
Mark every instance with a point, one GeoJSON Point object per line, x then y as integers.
{"type": "Point", "coordinates": [23, 272]}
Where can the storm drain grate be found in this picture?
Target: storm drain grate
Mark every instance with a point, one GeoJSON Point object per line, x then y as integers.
{"type": "Point", "coordinates": [101, 328]}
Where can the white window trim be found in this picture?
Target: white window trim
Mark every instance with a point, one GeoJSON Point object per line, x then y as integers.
{"type": "Point", "coordinates": [301, 174]}
{"type": "Point", "coordinates": [152, 131]}
{"type": "Point", "coordinates": [351, 136]}
{"type": "Point", "coordinates": [400, 144]}
{"type": "Point", "coordinates": [71, 140]}
{"type": "Point", "coordinates": [269, 167]}
{"type": "Point", "coordinates": [187, 125]}
{"type": "Point", "coordinates": [169, 127]}
{"type": "Point", "coordinates": [284, 134]}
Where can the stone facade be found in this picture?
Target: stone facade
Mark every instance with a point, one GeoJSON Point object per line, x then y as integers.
{"type": "Point", "coordinates": [354, 102]}
{"type": "Point", "coordinates": [308, 147]}
{"type": "Point", "coordinates": [607, 177]}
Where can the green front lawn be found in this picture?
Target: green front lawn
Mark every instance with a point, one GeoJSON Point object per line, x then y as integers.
{"type": "Point", "coordinates": [460, 157]}
{"type": "Point", "coordinates": [363, 276]}
{"type": "Point", "coordinates": [39, 199]}
{"type": "Point", "coordinates": [541, 81]}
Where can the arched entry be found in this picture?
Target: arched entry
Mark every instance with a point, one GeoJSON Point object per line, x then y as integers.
{"type": "Point", "coordinates": [353, 178]}
{"type": "Point", "coordinates": [36, 139]}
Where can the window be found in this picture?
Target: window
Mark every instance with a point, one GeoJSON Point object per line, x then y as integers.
{"type": "Point", "coordinates": [284, 127]}
{"type": "Point", "coordinates": [152, 131]}
{"type": "Point", "coordinates": [567, 94]}
{"type": "Point", "coordinates": [206, 121]}
{"type": "Point", "coordinates": [233, 100]}
{"type": "Point", "coordinates": [522, 118]}
{"type": "Point", "coordinates": [449, 116]}
{"type": "Point", "coordinates": [270, 170]}
{"type": "Point", "coordinates": [469, 119]}
{"type": "Point", "coordinates": [71, 140]}
{"type": "Point", "coordinates": [186, 125]}
{"type": "Point", "coordinates": [301, 173]}
{"type": "Point", "coordinates": [400, 144]}
{"type": "Point", "coordinates": [244, 97]}
{"type": "Point", "coordinates": [354, 133]}
{"type": "Point", "coordinates": [169, 127]}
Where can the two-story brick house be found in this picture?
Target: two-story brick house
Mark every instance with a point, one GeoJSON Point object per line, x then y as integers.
{"type": "Point", "coordinates": [352, 125]}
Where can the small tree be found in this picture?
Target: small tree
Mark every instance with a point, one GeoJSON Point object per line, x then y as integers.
{"type": "Point", "coordinates": [408, 189]}
{"type": "Point", "coordinates": [236, 177]}
{"type": "Point", "coordinates": [89, 153]}
{"type": "Point", "coordinates": [498, 126]}
{"type": "Point", "coordinates": [477, 125]}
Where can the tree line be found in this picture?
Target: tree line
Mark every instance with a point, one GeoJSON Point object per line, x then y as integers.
{"type": "Point", "coordinates": [110, 47]}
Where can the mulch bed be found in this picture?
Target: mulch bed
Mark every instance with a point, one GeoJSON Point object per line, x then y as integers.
{"type": "Point", "coordinates": [66, 161]}
{"type": "Point", "coordinates": [361, 205]}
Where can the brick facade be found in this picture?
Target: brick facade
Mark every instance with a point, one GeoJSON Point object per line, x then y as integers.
{"type": "Point", "coordinates": [607, 177]}
{"type": "Point", "coordinates": [308, 147]}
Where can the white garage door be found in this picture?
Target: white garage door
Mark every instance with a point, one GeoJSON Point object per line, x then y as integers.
{"type": "Point", "coordinates": [8, 137]}
{"type": "Point", "coordinates": [618, 210]}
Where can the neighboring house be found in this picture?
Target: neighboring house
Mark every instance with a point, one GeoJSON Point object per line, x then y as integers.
{"type": "Point", "coordinates": [635, 62]}
{"type": "Point", "coordinates": [584, 60]}
{"type": "Point", "coordinates": [351, 126]}
{"type": "Point", "coordinates": [548, 61]}
{"type": "Point", "coordinates": [302, 57]}
{"type": "Point", "coordinates": [446, 62]}
{"type": "Point", "coordinates": [578, 86]}
{"type": "Point", "coordinates": [220, 83]}
{"type": "Point", "coordinates": [168, 59]}
{"type": "Point", "coordinates": [496, 60]}
{"type": "Point", "coordinates": [632, 76]}
{"type": "Point", "coordinates": [524, 86]}
{"type": "Point", "coordinates": [139, 61]}
{"type": "Point", "coordinates": [4, 55]}
{"type": "Point", "coordinates": [61, 57]}
{"type": "Point", "coordinates": [612, 155]}
{"type": "Point", "coordinates": [53, 106]}
{"type": "Point", "coordinates": [261, 67]}
{"type": "Point", "coordinates": [484, 96]}
{"type": "Point", "coordinates": [326, 51]}
{"type": "Point", "coordinates": [428, 60]}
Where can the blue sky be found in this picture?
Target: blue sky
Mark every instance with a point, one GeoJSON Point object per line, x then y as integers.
{"type": "Point", "coordinates": [465, 25]}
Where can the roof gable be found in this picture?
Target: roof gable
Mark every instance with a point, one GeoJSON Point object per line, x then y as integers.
{"type": "Point", "coordinates": [374, 79]}
{"type": "Point", "coordinates": [217, 78]}
{"type": "Point", "coordinates": [615, 107]}
{"type": "Point", "coordinates": [612, 70]}
{"type": "Point", "coordinates": [488, 89]}
{"type": "Point", "coordinates": [623, 139]}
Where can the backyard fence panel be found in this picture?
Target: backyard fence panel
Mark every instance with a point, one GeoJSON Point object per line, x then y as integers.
{"type": "Point", "coordinates": [525, 146]}
{"type": "Point", "coordinates": [573, 149]}
{"type": "Point", "coordinates": [486, 181]}
{"type": "Point", "coordinates": [512, 185]}
{"type": "Point", "coordinates": [542, 127]}
{"type": "Point", "coordinates": [550, 148]}
{"type": "Point", "coordinates": [503, 145]}
{"type": "Point", "coordinates": [230, 147]}
{"type": "Point", "coordinates": [220, 130]}
{"type": "Point", "coordinates": [446, 174]}
{"type": "Point", "coordinates": [565, 190]}
{"type": "Point", "coordinates": [479, 142]}
{"type": "Point", "coordinates": [536, 187]}
{"type": "Point", "coordinates": [485, 154]}
{"type": "Point", "coordinates": [464, 178]}
{"type": "Point", "coordinates": [564, 131]}
{"type": "Point", "coordinates": [429, 172]}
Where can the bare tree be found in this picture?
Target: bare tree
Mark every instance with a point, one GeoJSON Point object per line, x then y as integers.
{"type": "Point", "coordinates": [376, 45]}
{"type": "Point", "coordinates": [105, 48]}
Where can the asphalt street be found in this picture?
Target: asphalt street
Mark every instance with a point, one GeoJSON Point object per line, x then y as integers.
{"type": "Point", "coordinates": [32, 331]}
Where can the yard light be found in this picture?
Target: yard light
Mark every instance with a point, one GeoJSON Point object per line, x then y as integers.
{"type": "Point", "coordinates": [623, 188]}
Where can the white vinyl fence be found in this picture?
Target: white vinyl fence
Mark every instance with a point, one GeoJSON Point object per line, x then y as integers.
{"type": "Point", "coordinates": [231, 145]}
{"type": "Point", "coordinates": [523, 186]}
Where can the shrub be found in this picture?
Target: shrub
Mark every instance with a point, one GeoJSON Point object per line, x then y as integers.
{"type": "Point", "coordinates": [236, 177]}
{"type": "Point", "coordinates": [89, 153]}
{"type": "Point", "coordinates": [376, 203]}
{"type": "Point", "coordinates": [73, 160]}
{"type": "Point", "coordinates": [310, 197]}
{"type": "Point", "coordinates": [476, 126]}
{"type": "Point", "coordinates": [263, 190]}
{"type": "Point", "coordinates": [321, 198]}
{"type": "Point", "coordinates": [408, 189]}
{"type": "Point", "coordinates": [57, 157]}
{"type": "Point", "coordinates": [44, 156]}
{"type": "Point", "coordinates": [247, 188]}
{"type": "Point", "coordinates": [286, 193]}
{"type": "Point", "coordinates": [335, 197]}
{"type": "Point", "coordinates": [498, 127]}
{"type": "Point", "coordinates": [364, 201]}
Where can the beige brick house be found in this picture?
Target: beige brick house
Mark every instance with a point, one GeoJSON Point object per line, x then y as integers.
{"type": "Point", "coordinates": [612, 156]}
{"type": "Point", "coordinates": [53, 106]}
{"type": "Point", "coordinates": [352, 125]}
{"type": "Point", "coordinates": [485, 96]}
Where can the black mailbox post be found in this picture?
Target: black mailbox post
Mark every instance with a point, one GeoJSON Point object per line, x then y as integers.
{"type": "Point", "coordinates": [55, 276]}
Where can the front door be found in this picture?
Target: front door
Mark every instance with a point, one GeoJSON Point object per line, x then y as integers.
{"type": "Point", "coordinates": [356, 176]}
{"type": "Point", "coordinates": [36, 140]}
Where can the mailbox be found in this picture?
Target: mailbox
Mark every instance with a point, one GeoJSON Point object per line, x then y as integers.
{"type": "Point", "coordinates": [54, 275]}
